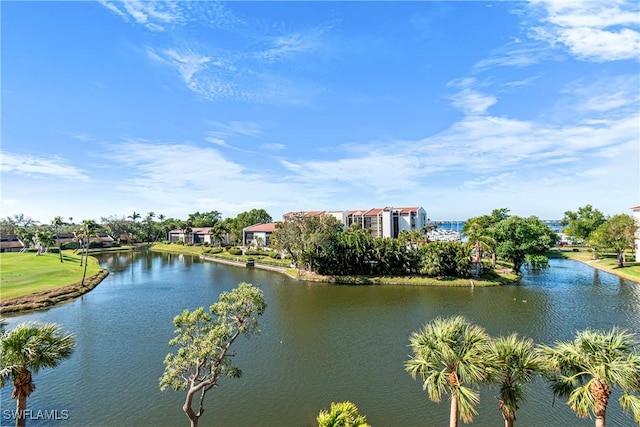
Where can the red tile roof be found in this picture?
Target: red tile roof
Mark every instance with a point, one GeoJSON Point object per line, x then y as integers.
{"type": "Point", "coordinates": [266, 228]}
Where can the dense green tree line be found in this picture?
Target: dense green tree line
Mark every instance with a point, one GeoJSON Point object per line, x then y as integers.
{"type": "Point", "coordinates": [132, 228]}
{"type": "Point", "coordinates": [615, 233]}
{"type": "Point", "coordinates": [320, 244]}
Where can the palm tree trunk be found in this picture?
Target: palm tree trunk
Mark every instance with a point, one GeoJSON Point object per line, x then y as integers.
{"type": "Point", "coordinates": [508, 422]}
{"type": "Point", "coordinates": [453, 413]}
{"type": "Point", "coordinates": [21, 406]}
{"type": "Point", "coordinates": [601, 421]}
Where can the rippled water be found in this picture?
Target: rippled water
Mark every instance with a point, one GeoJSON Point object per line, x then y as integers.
{"type": "Point", "coordinates": [320, 343]}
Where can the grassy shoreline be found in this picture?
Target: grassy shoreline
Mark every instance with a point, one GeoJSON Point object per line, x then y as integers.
{"type": "Point", "coordinates": [605, 262]}
{"type": "Point", "coordinates": [32, 282]}
{"type": "Point", "coordinates": [502, 277]}
{"type": "Point", "coordinates": [50, 282]}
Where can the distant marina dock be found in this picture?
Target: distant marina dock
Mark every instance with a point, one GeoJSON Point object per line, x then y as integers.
{"type": "Point", "coordinates": [451, 230]}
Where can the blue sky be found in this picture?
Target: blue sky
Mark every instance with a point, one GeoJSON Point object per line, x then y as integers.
{"type": "Point", "coordinates": [459, 107]}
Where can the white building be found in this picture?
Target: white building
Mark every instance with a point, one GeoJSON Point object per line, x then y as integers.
{"type": "Point", "coordinates": [383, 222]}
{"type": "Point", "coordinates": [636, 216]}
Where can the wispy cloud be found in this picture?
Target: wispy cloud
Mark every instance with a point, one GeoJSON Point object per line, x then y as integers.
{"type": "Point", "coordinates": [605, 30]}
{"type": "Point", "coordinates": [224, 131]}
{"type": "Point", "coordinates": [286, 46]}
{"type": "Point", "coordinates": [273, 146]}
{"type": "Point", "coordinates": [233, 128]}
{"type": "Point", "coordinates": [198, 176]}
{"type": "Point", "coordinates": [40, 167]}
{"type": "Point", "coordinates": [153, 15]}
{"type": "Point", "coordinates": [602, 95]}
{"type": "Point", "coordinates": [517, 54]}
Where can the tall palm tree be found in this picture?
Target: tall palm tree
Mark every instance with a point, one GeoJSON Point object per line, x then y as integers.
{"type": "Point", "coordinates": [586, 371]}
{"type": "Point", "coordinates": [24, 351]}
{"type": "Point", "coordinates": [450, 355]}
{"type": "Point", "coordinates": [43, 239]}
{"type": "Point", "coordinates": [57, 222]}
{"type": "Point", "coordinates": [90, 229]}
{"type": "Point", "coordinates": [134, 216]}
{"type": "Point", "coordinates": [342, 414]}
{"type": "Point", "coordinates": [515, 363]}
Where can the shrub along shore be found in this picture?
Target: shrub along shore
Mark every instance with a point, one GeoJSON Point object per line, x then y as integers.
{"type": "Point", "coordinates": [264, 260]}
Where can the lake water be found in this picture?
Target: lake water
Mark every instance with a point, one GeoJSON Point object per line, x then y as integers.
{"type": "Point", "coordinates": [319, 343]}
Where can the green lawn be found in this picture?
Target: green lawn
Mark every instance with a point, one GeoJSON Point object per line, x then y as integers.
{"type": "Point", "coordinates": [199, 250]}
{"type": "Point", "coordinates": [606, 262]}
{"type": "Point", "coordinates": [24, 273]}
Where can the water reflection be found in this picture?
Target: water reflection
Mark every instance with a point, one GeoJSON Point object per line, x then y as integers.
{"type": "Point", "coordinates": [320, 343]}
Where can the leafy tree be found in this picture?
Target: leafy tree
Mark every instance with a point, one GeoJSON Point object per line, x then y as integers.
{"type": "Point", "coordinates": [58, 222]}
{"type": "Point", "coordinates": [617, 234]}
{"type": "Point", "coordinates": [583, 222]}
{"type": "Point", "coordinates": [116, 226]}
{"type": "Point", "coordinates": [21, 220]}
{"type": "Point", "coordinates": [204, 340]}
{"type": "Point", "coordinates": [43, 239]}
{"type": "Point", "coordinates": [439, 259]}
{"type": "Point", "coordinates": [305, 238]}
{"type": "Point", "coordinates": [587, 370]}
{"type": "Point", "coordinates": [26, 350]}
{"type": "Point", "coordinates": [515, 362]}
{"type": "Point", "coordinates": [25, 235]}
{"type": "Point", "coordinates": [450, 355]}
{"type": "Point", "coordinates": [205, 219]}
{"type": "Point", "coordinates": [342, 414]}
{"type": "Point", "coordinates": [481, 232]}
{"type": "Point", "coordinates": [246, 219]}
{"type": "Point", "coordinates": [219, 231]}
{"type": "Point", "coordinates": [519, 237]}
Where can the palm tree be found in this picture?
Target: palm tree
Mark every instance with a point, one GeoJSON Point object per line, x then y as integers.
{"type": "Point", "coordinates": [43, 239]}
{"type": "Point", "coordinates": [27, 349]}
{"type": "Point", "coordinates": [586, 371]}
{"type": "Point", "coordinates": [343, 414]}
{"type": "Point", "coordinates": [90, 229]}
{"type": "Point", "coordinates": [515, 363]}
{"type": "Point", "coordinates": [450, 354]}
{"type": "Point", "coordinates": [134, 216]}
{"type": "Point", "coordinates": [57, 222]}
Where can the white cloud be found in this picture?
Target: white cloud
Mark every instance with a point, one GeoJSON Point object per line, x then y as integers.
{"type": "Point", "coordinates": [605, 94]}
{"type": "Point", "coordinates": [153, 15]}
{"type": "Point", "coordinates": [234, 128]}
{"type": "Point", "coordinates": [186, 62]}
{"type": "Point", "coordinates": [40, 167]}
{"type": "Point", "coordinates": [516, 54]}
{"type": "Point", "coordinates": [472, 101]}
{"type": "Point", "coordinates": [591, 31]}
{"type": "Point", "coordinates": [274, 146]}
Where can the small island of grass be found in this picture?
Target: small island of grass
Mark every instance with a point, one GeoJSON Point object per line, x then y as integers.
{"type": "Point", "coordinates": [31, 282]}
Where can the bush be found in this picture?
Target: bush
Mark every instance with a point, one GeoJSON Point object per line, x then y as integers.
{"type": "Point", "coordinates": [235, 251]}
{"type": "Point", "coordinates": [212, 251]}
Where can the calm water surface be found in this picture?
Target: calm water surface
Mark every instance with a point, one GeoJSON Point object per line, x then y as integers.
{"type": "Point", "coordinates": [320, 343]}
